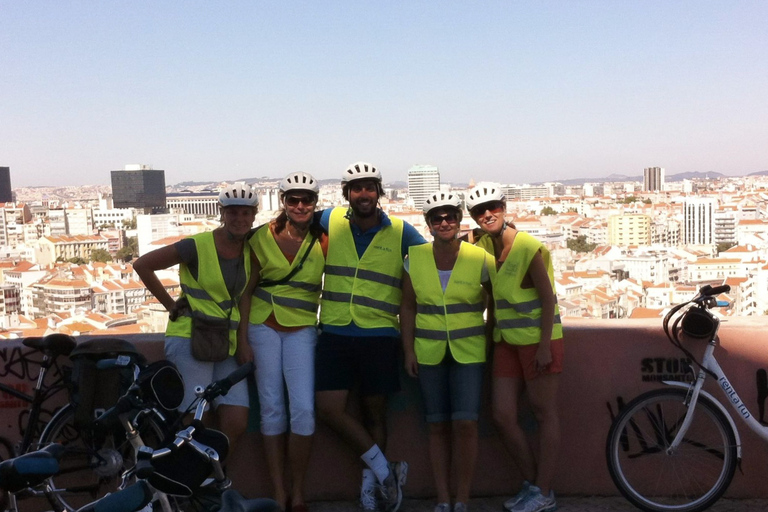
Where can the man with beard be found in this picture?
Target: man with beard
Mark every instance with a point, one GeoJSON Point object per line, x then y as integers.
{"type": "Point", "coordinates": [360, 337]}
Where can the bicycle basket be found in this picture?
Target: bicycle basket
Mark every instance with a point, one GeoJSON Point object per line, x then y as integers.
{"type": "Point", "coordinates": [91, 389]}
{"type": "Point", "coordinates": [162, 383]}
{"type": "Point", "coordinates": [183, 471]}
{"type": "Point", "coordinates": [697, 323]}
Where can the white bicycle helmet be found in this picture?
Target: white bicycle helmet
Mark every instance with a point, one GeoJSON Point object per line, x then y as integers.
{"type": "Point", "coordinates": [238, 194]}
{"type": "Point", "coordinates": [484, 192]}
{"type": "Point", "coordinates": [299, 181]}
{"type": "Point", "coordinates": [360, 171]}
{"type": "Point", "coordinates": [441, 200]}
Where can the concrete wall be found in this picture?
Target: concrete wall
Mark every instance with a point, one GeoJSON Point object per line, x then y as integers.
{"type": "Point", "coordinates": [606, 363]}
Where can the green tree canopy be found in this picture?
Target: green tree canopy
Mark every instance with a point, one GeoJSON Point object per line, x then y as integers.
{"type": "Point", "coordinates": [128, 252]}
{"type": "Point", "coordinates": [101, 255]}
{"type": "Point", "coordinates": [548, 210]}
{"type": "Point", "coordinates": [580, 244]}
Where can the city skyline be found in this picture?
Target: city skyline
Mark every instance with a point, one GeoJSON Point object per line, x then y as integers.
{"type": "Point", "coordinates": [513, 92]}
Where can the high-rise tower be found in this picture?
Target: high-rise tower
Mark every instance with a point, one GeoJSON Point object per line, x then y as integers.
{"type": "Point", "coordinates": [699, 214]}
{"type": "Point", "coordinates": [423, 181]}
{"type": "Point", "coordinates": [6, 193]}
{"type": "Point", "coordinates": [653, 179]}
{"type": "Point", "coordinates": [139, 186]}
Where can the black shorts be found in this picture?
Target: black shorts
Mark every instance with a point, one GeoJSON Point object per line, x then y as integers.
{"type": "Point", "coordinates": [370, 361]}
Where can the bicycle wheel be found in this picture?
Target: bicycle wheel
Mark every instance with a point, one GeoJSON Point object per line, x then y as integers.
{"type": "Point", "coordinates": [691, 478]}
{"type": "Point", "coordinates": [95, 459]}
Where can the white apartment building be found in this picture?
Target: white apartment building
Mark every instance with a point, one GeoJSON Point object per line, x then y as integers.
{"type": "Point", "coordinates": [650, 266]}
{"type": "Point", "coordinates": [79, 221]}
{"type": "Point", "coordinates": [725, 227]}
{"type": "Point", "coordinates": [715, 270]}
{"type": "Point", "coordinates": [699, 220]}
{"type": "Point", "coordinates": [423, 181]}
{"type": "Point", "coordinates": [203, 204]}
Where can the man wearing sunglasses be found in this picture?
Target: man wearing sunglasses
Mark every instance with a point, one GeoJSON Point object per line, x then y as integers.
{"type": "Point", "coordinates": [360, 336]}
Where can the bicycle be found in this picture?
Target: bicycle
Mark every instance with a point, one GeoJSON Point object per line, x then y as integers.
{"type": "Point", "coordinates": [30, 424]}
{"type": "Point", "coordinates": [186, 475]}
{"type": "Point", "coordinates": [95, 455]}
{"type": "Point", "coordinates": [677, 448]}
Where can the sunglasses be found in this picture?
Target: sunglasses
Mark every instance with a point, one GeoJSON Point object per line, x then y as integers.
{"type": "Point", "coordinates": [494, 207]}
{"type": "Point", "coordinates": [450, 218]}
{"type": "Point", "coordinates": [295, 200]}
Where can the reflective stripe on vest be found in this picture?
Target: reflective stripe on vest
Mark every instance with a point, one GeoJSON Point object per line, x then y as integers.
{"type": "Point", "coordinates": [364, 290]}
{"type": "Point", "coordinates": [453, 318]}
{"type": "Point", "coordinates": [518, 310]}
{"type": "Point", "coordinates": [208, 296]}
{"type": "Point", "coordinates": [294, 302]}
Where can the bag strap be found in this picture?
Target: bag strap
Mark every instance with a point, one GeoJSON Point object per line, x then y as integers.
{"type": "Point", "coordinates": [294, 270]}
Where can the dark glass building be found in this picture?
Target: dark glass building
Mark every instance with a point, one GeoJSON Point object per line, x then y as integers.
{"type": "Point", "coordinates": [139, 187]}
{"type": "Point", "coordinates": [6, 194]}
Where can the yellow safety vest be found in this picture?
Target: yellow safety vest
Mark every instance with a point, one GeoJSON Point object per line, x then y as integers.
{"type": "Point", "coordinates": [294, 302]}
{"type": "Point", "coordinates": [208, 296]}
{"type": "Point", "coordinates": [364, 290]}
{"type": "Point", "coordinates": [517, 309]}
{"type": "Point", "coordinates": [455, 318]}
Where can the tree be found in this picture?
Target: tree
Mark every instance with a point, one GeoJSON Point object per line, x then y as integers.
{"type": "Point", "coordinates": [130, 224]}
{"type": "Point", "coordinates": [77, 260]}
{"type": "Point", "coordinates": [548, 210]}
{"type": "Point", "coordinates": [100, 255]}
{"type": "Point", "coordinates": [580, 244]}
{"type": "Point", "coordinates": [724, 246]}
{"type": "Point", "coordinates": [128, 252]}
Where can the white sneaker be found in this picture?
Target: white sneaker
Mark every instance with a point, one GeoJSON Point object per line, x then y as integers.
{"type": "Point", "coordinates": [517, 498]}
{"type": "Point", "coordinates": [443, 507]}
{"type": "Point", "coordinates": [534, 501]}
{"type": "Point", "coordinates": [391, 491]}
{"type": "Point", "coordinates": [368, 499]}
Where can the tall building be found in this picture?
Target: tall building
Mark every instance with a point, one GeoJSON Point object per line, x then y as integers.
{"type": "Point", "coordinates": [139, 186]}
{"type": "Point", "coordinates": [653, 179]}
{"type": "Point", "coordinates": [423, 181]}
{"type": "Point", "coordinates": [699, 221]}
{"type": "Point", "coordinates": [6, 194]}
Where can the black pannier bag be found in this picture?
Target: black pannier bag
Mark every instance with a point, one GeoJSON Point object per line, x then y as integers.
{"type": "Point", "coordinates": [94, 390]}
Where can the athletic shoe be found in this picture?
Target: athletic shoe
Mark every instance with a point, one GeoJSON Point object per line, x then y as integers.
{"type": "Point", "coordinates": [517, 498]}
{"type": "Point", "coordinates": [459, 507]}
{"type": "Point", "coordinates": [536, 502]}
{"type": "Point", "coordinates": [443, 507]}
{"type": "Point", "coordinates": [368, 500]}
{"type": "Point", "coordinates": [391, 491]}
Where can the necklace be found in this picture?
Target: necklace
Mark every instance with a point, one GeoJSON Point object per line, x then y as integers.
{"type": "Point", "coordinates": [295, 238]}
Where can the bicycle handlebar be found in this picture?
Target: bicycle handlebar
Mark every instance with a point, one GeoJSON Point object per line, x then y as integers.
{"type": "Point", "coordinates": [222, 387]}
{"type": "Point", "coordinates": [709, 291]}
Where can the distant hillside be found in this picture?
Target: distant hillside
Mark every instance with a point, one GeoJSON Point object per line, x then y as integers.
{"type": "Point", "coordinates": [613, 178]}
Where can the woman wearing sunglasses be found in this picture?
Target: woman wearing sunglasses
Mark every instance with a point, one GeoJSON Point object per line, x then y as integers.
{"type": "Point", "coordinates": [528, 355]}
{"type": "Point", "coordinates": [443, 330]}
{"type": "Point", "coordinates": [279, 308]}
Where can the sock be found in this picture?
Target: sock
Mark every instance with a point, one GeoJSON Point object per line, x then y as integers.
{"type": "Point", "coordinates": [369, 480]}
{"type": "Point", "coordinates": [375, 460]}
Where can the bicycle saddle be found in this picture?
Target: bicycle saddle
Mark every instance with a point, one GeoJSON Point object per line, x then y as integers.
{"type": "Point", "coordinates": [233, 501]}
{"type": "Point", "coordinates": [30, 469]}
{"type": "Point", "coordinates": [53, 344]}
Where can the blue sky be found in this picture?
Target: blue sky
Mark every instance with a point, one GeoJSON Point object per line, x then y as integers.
{"type": "Point", "coordinates": [509, 91]}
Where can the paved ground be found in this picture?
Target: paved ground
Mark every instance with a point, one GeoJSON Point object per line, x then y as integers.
{"type": "Point", "coordinates": [565, 504]}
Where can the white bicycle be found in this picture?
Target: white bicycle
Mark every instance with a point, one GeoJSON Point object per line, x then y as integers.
{"type": "Point", "coordinates": [677, 448]}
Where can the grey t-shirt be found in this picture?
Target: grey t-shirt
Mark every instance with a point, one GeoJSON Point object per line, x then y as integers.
{"type": "Point", "coordinates": [232, 269]}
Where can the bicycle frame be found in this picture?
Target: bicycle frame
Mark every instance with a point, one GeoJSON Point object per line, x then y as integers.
{"type": "Point", "coordinates": [40, 393]}
{"type": "Point", "coordinates": [709, 362]}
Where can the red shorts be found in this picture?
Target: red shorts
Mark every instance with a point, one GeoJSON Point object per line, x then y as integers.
{"type": "Point", "coordinates": [519, 361]}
